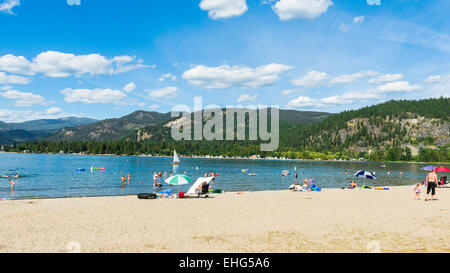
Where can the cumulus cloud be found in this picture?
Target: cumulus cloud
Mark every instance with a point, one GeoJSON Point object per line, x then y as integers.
{"type": "Point", "coordinates": [164, 93]}
{"type": "Point", "coordinates": [387, 78]}
{"type": "Point", "coordinates": [60, 65]}
{"type": "Point", "coordinates": [167, 76]}
{"type": "Point", "coordinates": [97, 95]}
{"type": "Point", "coordinates": [358, 20]}
{"type": "Point", "coordinates": [311, 79]}
{"type": "Point", "coordinates": [222, 9]}
{"type": "Point", "coordinates": [350, 78]}
{"type": "Point", "coordinates": [307, 9]}
{"type": "Point", "coordinates": [303, 102]}
{"type": "Point", "coordinates": [226, 76]}
{"type": "Point", "coordinates": [53, 110]}
{"type": "Point", "coordinates": [73, 2]}
{"type": "Point", "coordinates": [12, 79]}
{"type": "Point", "coordinates": [24, 99]}
{"type": "Point", "coordinates": [7, 6]}
{"type": "Point", "coordinates": [247, 97]}
{"type": "Point", "coordinates": [438, 79]}
{"type": "Point", "coordinates": [129, 87]}
{"type": "Point", "coordinates": [398, 86]}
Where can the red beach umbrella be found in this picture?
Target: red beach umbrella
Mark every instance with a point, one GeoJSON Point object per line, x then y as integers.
{"type": "Point", "coordinates": [442, 169]}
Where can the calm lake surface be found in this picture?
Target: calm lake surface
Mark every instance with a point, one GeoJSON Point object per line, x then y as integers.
{"type": "Point", "coordinates": [48, 176]}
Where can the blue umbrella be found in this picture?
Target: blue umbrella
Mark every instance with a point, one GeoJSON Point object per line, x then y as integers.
{"type": "Point", "coordinates": [366, 174]}
{"type": "Point", "coordinates": [428, 168]}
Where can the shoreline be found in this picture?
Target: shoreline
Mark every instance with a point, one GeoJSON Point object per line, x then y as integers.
{"type": "Point", "coordinates": [240, 158]}
{"type": "Point", "coordinates": [214, 194]}
{"type": "Point", "coordinates": [251, 222]}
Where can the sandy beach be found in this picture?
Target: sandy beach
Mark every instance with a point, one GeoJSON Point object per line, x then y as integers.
{"type": "Point", "coordinates": [333, 220]}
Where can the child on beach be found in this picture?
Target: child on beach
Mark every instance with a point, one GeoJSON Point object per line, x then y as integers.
{"type": "Point", "coordinates": [417, 191]}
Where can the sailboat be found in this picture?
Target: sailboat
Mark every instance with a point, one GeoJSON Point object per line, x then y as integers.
{"type": "Point", "coordinates": [176, 160]}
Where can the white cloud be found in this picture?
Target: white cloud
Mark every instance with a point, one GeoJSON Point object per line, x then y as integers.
{"type": "Point", "coordinates": [247, 97]}
{"type": "Point", "coordinates": [53, 110]}
{"type": "Point", "coordinates": [221, 9]}
{"type": "Point", "coordinates": [308, 9]}
{"type": "Point", "coordinates": [387, 78]}
{"type": "Point", "coordinates": [24, 98]}
{"type": "Point", "coordinates": [15, 64]}
{"type": "Point", "coordinates": [358, 20]}
{"type": "Point", "coordinates": [398, 86]}
{"type": "Point", "coordinates": [311, 79]}
{"type": "Point", "coordinates": [60, 65]}
{"type": "Point", "coordinates": [350, 78]}
{"type": "Point", "coordinates": [303, 102]}
{"type": "Point", "coordinates": [167, 76]}
{"type": "Point", "coordinates": [7, 6]}
{"type": "Point", "coordinates": [129, 87]}
{"type": "Point", "coordinates": [98, 95]}
{"type": "Point", "coordinates": [438, 79]}
{"type": "Point", "coordinates": [26, 115]}
{"type": "Point", "coordinates": [164, 93]}
{"type": "Point", "coordinates": [363, 96]}
{"type": "Point", "coordinates": [153, 106]}
{"type": "Point", "coordinates": [333, 100]}
{"type": "Point", "coordinates": [290, 91]}
{"type": "Point", "coordinates": [344, 99]}
{"type": "Point", "coordinates": [12, 79]}
{"type": "Point", "coordinates": [74, 2]}
{"type": "Point", "coordinates": [226, 76]}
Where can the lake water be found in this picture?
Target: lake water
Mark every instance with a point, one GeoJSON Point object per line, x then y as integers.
{"type": "Point", "coordinates": [45, 176]}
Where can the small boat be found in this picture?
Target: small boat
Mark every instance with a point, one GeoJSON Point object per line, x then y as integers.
{"type": "Point", "coordinates": [176, 160]}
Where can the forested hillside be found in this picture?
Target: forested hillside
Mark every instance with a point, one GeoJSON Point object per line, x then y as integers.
{"type": "Point", "coordinates": [392, 131]}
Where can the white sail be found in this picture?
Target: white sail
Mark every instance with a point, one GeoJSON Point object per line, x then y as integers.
{"type": "Point", "coordinates": [175, 157]}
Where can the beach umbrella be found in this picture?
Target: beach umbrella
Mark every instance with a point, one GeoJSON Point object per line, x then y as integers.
{"type": "Point", "coordinates": [442, 169]}
{"type": "Point", "coordinates": [366, 174]}
{"type": "Point", "coordinates": [178, 180]}
{"type": "Point", "coordinates": [428, 168]}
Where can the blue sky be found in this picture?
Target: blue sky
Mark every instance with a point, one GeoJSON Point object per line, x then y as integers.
{"type": "Point", "coordinates": [105, 59]}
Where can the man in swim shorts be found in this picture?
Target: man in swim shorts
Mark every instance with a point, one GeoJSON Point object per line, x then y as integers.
{"type": "Point", "coordinates": [432, 180]}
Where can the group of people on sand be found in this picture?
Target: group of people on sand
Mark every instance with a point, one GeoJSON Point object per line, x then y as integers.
{"type": "Point", "coordinates": [431, 183]}
{"type": "Point", "coordinates": [308, 185]}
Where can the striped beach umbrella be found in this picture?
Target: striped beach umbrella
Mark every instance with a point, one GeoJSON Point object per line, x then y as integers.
{"type": "Point", "coordinates": [178, 179]}
{"type": "Point", "coordinates": [366, 174]}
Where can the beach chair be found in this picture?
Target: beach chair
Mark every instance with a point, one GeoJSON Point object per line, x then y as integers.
{"type": "Point", "coordinates": [204, 191]}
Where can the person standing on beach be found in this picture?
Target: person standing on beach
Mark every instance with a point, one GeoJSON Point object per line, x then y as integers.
{"type": "Point", "coordinates": [417, 191]}
{"type": "Point", "coordinates": [431, 181]}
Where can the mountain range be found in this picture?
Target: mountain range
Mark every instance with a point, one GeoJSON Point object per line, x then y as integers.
{"type": "Point", "coordinates": [37, 129]}
{"type": "Point", "coordinates": [397, 130]}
